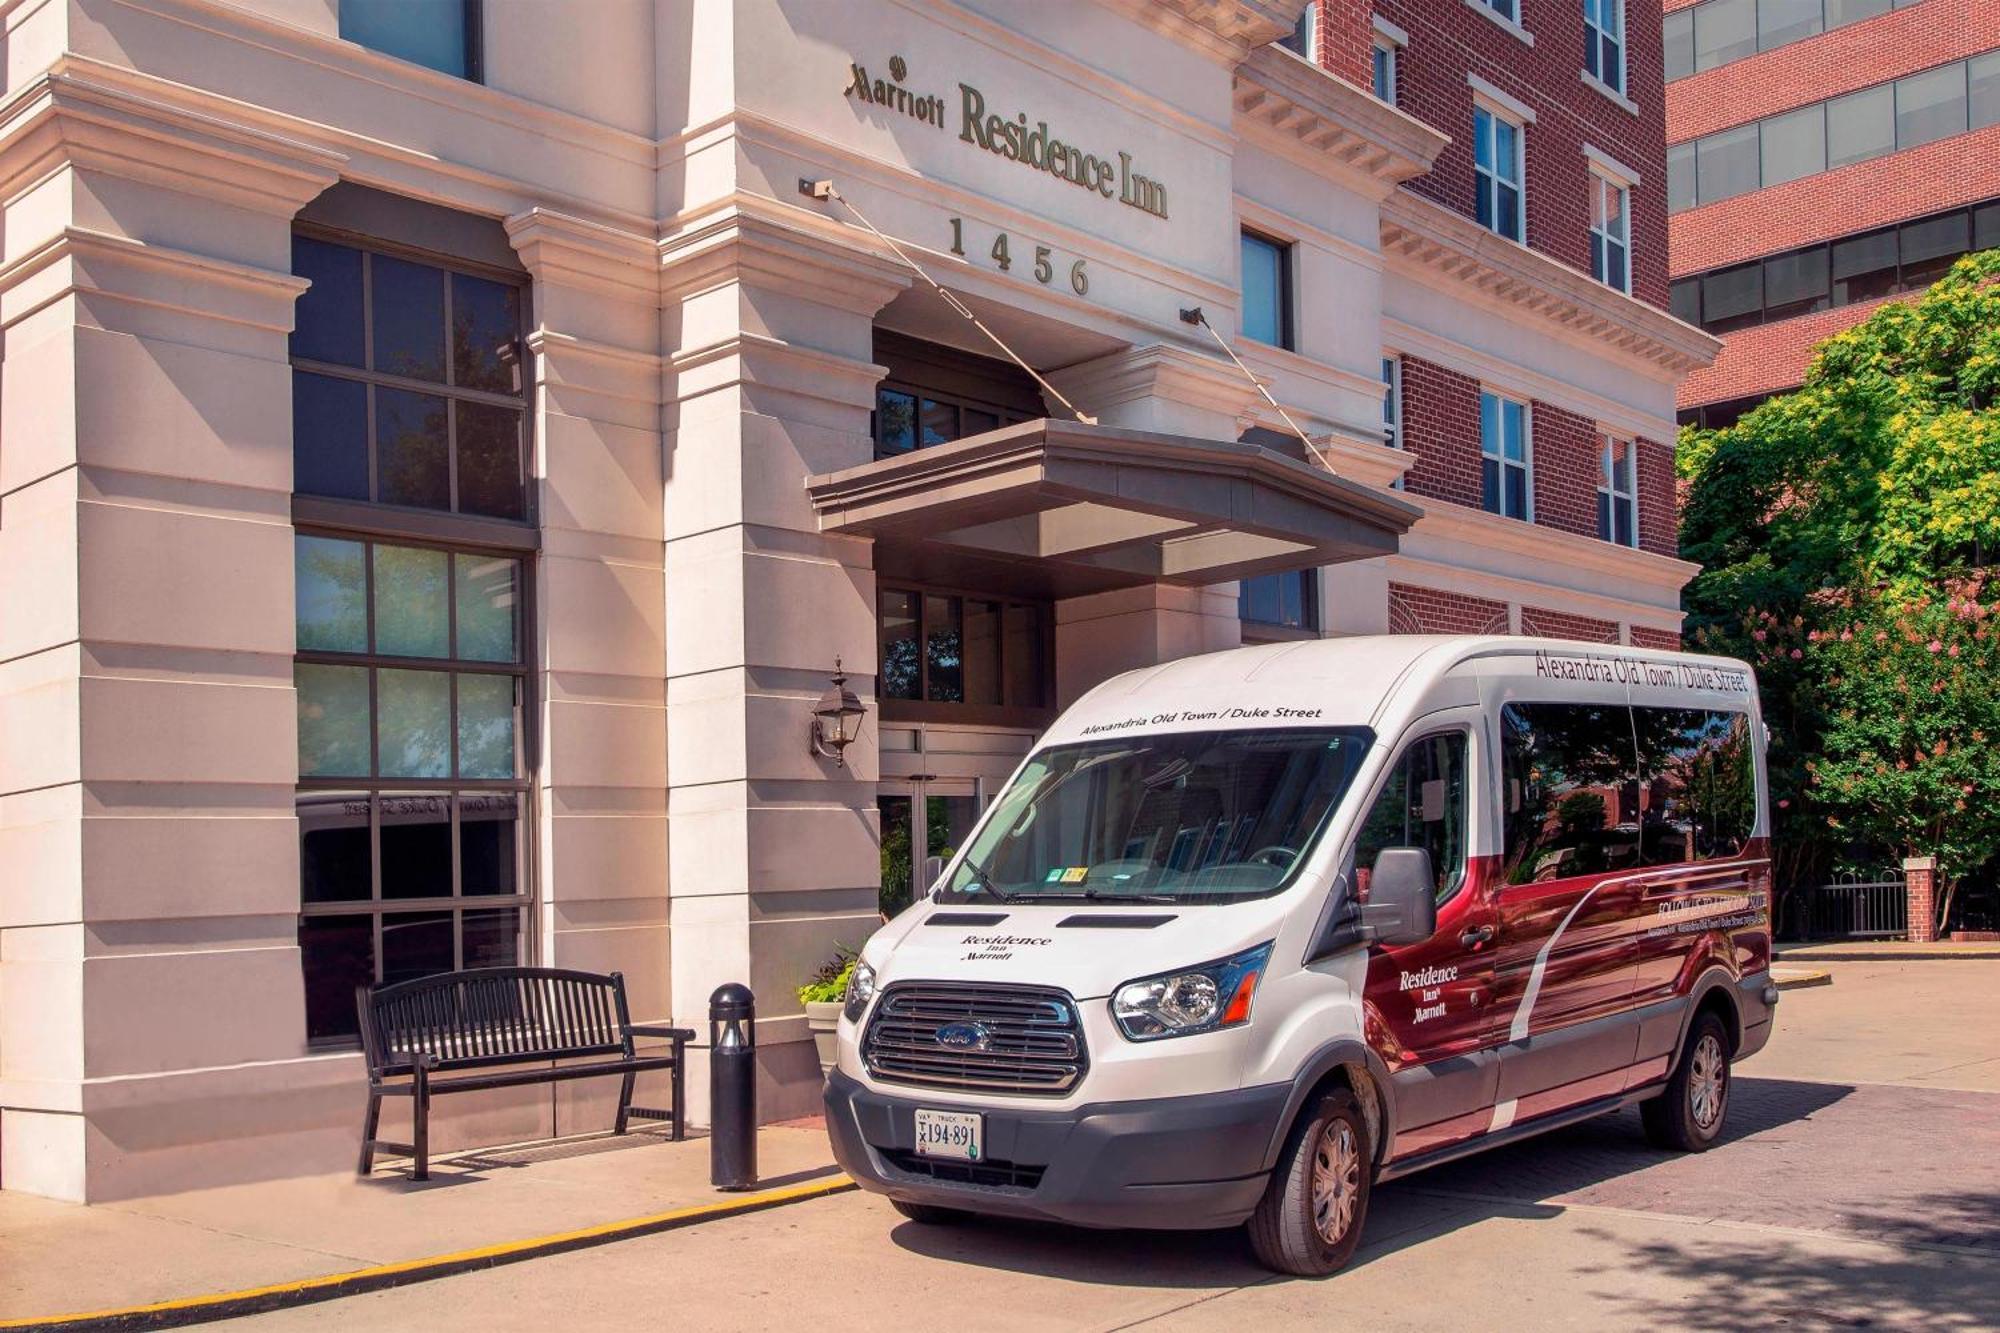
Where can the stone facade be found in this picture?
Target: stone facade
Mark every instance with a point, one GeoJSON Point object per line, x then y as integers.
{"type": "Point", "coordinates": [697, 342]}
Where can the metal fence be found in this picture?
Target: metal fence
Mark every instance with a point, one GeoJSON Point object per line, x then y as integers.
{"type": "Point", "coordinates": [1852, 908]}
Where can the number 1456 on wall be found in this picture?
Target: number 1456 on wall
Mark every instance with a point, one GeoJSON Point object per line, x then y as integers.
{"type": "Point", "coordinates": [1002, 254]}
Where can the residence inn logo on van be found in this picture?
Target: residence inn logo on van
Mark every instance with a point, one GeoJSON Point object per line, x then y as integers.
{"type": "Point", "coordinates": [1011, 139]}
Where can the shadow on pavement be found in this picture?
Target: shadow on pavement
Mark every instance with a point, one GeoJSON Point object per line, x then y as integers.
{"type": "Point", "coordinates": [1534, 1179]}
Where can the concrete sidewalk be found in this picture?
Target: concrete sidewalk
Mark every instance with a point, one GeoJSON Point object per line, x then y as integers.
{"type": "Point", "coordinates": [1883, 951]}
{"type": "Point", "coordinates": [62, 1258]}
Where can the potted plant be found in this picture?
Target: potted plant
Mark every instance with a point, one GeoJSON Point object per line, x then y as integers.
{"type": "Point", "coordinates": [823, 997]}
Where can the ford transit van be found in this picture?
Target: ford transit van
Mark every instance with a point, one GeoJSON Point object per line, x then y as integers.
{"type": "Point", "coordinates": [1247, 933]}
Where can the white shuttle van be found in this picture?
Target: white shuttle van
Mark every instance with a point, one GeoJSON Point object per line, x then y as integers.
{"type": "Point", "coordinates": [1248, 932]}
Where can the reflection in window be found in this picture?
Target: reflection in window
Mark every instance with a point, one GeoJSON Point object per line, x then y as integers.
{"type": "Point", "coordinates": [906, 419]}
{"type": "Point", "coordinates": [1496, 171]}
{"type": "Point", "coordinates": [1610, 232]}
{"type": "Point", "coordinates": [1421, 804]}
{"type": "Point", "coordinates": [406, 388]}
{"type": "Point", "coordinates": [1698, 801]}
{"type": "Point", "coordinates": [1288, 599]}
{"type": "Point", "coordinates": [1930, 106]}
{"type": "Point", "coordinates": [944, 648]}
{"type": "Point", "coordinates": [438, 34]}
{"type": "Point", "coordinates": [1618, 494]}
{"type": "Point", "coordinates": [413, 777]}
{"type": "Point", "coordinates": [1267, 315]}
{"type": "Point", "coordinates": [1604, 42]}
{"type": "Point", "coordinates": [1503, 456]}
{"type": "Point", "coordinates": [1571, 791]}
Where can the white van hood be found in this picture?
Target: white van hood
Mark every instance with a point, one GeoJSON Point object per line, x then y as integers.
{"type": "Point", "coordinates": [1030, 945]}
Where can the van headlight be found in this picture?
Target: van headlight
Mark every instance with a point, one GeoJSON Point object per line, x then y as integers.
{"type": "Point", "coordinates": [1196, 999]}
{"type": "Point", "coordinates": [860, 990]}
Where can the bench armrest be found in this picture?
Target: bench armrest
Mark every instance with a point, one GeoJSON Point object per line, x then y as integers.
{"type": "Point", "coordinates": [648, 1030]}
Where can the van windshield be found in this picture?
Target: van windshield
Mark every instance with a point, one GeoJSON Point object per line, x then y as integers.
{"type": "Point", "coordinates": [1194, 817]}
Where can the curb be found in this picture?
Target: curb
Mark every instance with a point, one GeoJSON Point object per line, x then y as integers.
{"type": "Point", "coordinates": [182, 1311]}
{"type": "Point", "coordinates": [1795, 977]}
{"type": "Point", "coordinates": [1917, 955]}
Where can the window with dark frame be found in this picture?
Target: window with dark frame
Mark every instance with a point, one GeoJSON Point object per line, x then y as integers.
{"type": "Point", "coordinates": [960, 648]}
{"type": "Point", "coordinates": [413, 784]}
{"type": "Point", "coordinates": [444, 35]}
{"type": "Point", "coordinates": [411, 673]}
{"type": "Point", "coordinates": [406, 383]}
{"type": "Point", "coordinates": [1871, 122]}
{"type": "Point", "coordinates": [1715, 32]}
{"type": "Point", "coordinates": [1887, 261]}
{"type": "Point", "coordinates": [1267, 290]}
{"type": "Point", "coordinates": [1285, 600]}
{"type": "Point", "coordinates": [907, 417]}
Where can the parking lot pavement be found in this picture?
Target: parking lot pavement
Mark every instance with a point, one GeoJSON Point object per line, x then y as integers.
{"type": "Point", "coordinates": [1834, 1202]}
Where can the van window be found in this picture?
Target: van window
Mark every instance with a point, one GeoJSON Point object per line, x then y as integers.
{"type": "Point", "coordinates": [1571, 792]}
{"type": "Point", "coordinates": [1421, 805]}
{"type": "Point", "coordinates": [1194, 817]}
{"type": "Point", "coordinates": [1698, 801]}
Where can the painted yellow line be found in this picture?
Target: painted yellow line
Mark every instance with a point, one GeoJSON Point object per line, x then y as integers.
{"type": "Point", "coordinates": [192, 1309]}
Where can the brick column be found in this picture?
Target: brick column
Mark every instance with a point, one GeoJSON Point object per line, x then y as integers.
{"type": "Point", "coordinates": [1920, 874]}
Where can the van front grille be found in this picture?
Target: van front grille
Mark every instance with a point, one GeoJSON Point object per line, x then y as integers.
{"type": "Point", "coordinates": [986, 1175]}
{"type": "Point", "coordinates": [1016, 1039]}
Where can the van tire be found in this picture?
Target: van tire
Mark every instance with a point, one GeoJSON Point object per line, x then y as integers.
{"type": "Point", "coordinates": [930, 1214]}
{"type": "Point", "coordinates": [1285, 1231]}
{"type": "Point", "coordinates": [1688, 1116]}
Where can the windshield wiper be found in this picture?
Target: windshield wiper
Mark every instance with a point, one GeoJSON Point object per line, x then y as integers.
{"type": "Point", "coordinates": [985, 882]}
{"type": "Point", "coordinates": [1097, 896]}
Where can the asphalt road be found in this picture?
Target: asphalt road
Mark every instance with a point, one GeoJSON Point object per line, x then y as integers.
{"type": "Point", "coordinates": [1858, 1187]}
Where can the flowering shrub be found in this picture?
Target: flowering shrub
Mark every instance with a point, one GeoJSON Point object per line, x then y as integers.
{"type": "Point", "coordinates": [1906, 702]}
{"type": "Point", "coordinates": [1853, 518]}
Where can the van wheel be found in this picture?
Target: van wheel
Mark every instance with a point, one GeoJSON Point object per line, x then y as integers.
{"type": "Point", "coordinates": [930, 1215]}
{"type": "Point", "coordinates": [1309, 1221]}
{"type": "Point", "coordinates": [1687, 1117]}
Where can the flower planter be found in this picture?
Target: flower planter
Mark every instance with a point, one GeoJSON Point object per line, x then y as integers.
{"type": "Point", "coordinates": [822, 1018]}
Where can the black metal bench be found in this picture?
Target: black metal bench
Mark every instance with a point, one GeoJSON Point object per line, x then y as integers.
{"type": "Point", "coordinates": [484, 1020]}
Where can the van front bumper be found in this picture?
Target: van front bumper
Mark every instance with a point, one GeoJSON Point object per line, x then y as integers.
{"type": "Point", "coordinates": [1170, 1163]}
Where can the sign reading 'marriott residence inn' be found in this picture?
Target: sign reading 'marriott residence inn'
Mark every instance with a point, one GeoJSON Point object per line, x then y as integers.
{"type": "Point", "coordinates": [1012, 139]}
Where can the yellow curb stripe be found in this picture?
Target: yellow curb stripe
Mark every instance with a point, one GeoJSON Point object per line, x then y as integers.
{"type": "Point", "coordinates": [190, 1309]}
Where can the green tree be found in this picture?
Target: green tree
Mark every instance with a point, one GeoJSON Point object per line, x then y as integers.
{"type": "Point", "coordinates": [1866, 495]}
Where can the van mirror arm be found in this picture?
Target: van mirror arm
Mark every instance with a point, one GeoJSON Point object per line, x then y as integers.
{"type": "Point", "coordinates": [1340, 926]}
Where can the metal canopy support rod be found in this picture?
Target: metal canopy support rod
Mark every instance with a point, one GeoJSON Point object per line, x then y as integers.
{"type": "Point", "coordinates": [824, 190]}
{"type": "Point", "coordinates": [1195, 315]}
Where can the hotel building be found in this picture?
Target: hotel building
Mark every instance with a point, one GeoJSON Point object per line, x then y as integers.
{"type": "Point", "coordinates": [447, 449]}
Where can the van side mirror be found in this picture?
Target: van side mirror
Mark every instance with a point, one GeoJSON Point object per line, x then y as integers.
{"type": "Point", "coordinates": [1402, 897]}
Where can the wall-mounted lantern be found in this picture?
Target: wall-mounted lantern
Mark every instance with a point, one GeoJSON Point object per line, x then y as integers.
{"type": "Point", "coordinates": [836, 721]}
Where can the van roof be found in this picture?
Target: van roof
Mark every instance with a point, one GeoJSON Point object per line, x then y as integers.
{"type": "Point", "coordinates": [1296, 676]}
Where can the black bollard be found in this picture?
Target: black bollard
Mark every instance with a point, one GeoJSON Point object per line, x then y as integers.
{"type": "Point", "coordinates": [732, 1088]}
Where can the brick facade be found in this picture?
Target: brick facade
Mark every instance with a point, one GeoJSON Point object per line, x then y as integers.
{"type": "Point", "coordinates": [1346, 40]}
{"type": "Point", "coordinates": [1858, 55]}
{"type": "Point", "coordinates": [1770, 357]}
{"type": "Point", "coordinates": [1415, 610]}
{"type": "Point", "coordinates": [1659, 498]}
{"type": "Point", "coordinates": [1441, 427]}
{"type": "Point", "coordinates": [1448, 40]}
{"type": "Point", "coordinates": [1963, 169]}
{"type": "Point", "coordinates": [1563, 625]}
{"type": "Point", "coordinates": [1567, 453]}
{"type": "Point", "coordinates": [1644, 636]}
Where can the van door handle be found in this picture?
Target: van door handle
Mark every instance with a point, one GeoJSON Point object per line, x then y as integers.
{"type": "Point", "coordinates": [1475, 936]}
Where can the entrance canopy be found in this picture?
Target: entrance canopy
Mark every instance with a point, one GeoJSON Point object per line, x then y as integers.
{"type": "Point", "coordinates": [1075, 509]}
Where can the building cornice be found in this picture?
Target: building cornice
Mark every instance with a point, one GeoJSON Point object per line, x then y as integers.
{"type": "Point", "coordinates": [63, 117]}
{"type": "Point", "coordinates": [78, 259]}
{"type": "Point", "coordinates": [1228, 28]}
{"type": "Point", "coordinates": [1537, 546]}
{"type": "Point", "coordinates": [1328, 115]}
{"type": "Point", "coordinates": [1436, 241]}
{"type": "Point", "coordinates": [747, 243]}
{"type": "Point", "coordinates": [571, 251]}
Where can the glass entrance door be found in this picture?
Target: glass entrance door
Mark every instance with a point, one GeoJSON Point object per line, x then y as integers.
{"type": "Point", "coordinates": [922, 818]}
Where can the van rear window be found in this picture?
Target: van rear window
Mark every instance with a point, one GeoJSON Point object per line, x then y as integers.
{"type": "Point", "coordinates": [1593, 789]}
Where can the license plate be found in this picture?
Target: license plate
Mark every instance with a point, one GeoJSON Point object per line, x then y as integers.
{"type": "Point", "coordinates": [953, 1134]}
